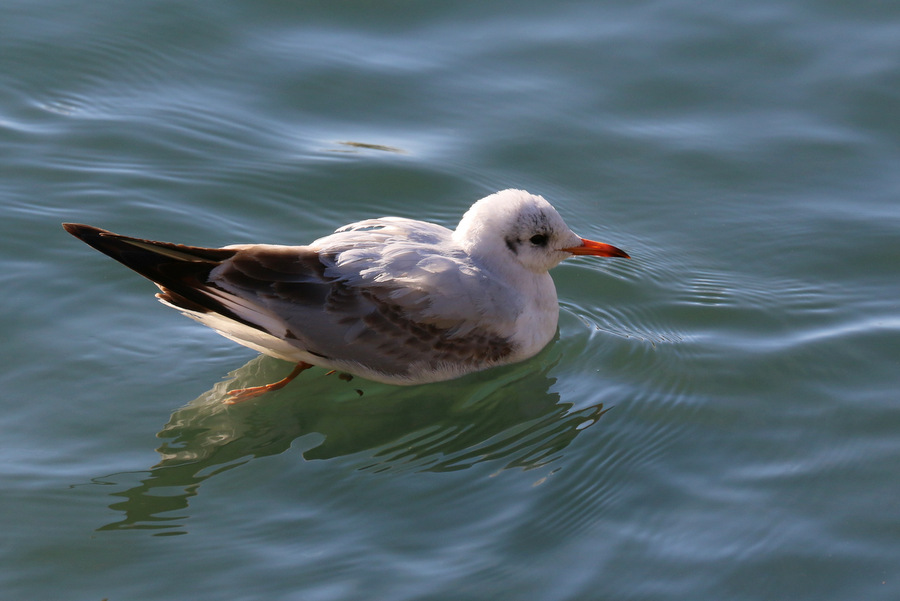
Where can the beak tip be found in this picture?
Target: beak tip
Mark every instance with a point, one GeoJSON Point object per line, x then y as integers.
{"type": "Point", "coordinates": [599, 249]}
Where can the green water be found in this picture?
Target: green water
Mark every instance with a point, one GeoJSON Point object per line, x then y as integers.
{"type": "Point", "coordinates": [717, 418]}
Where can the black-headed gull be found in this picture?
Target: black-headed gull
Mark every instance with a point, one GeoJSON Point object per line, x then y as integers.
{"type": "Point", "coordinates": [392, 300]}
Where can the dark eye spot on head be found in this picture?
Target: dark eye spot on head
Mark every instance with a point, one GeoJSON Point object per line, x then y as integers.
{"type": "Point", "coordinates": [539, 240]}
{"type": "Point", "coordinates": [511, 245]}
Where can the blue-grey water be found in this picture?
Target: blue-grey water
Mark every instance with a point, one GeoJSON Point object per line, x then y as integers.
{"type": "Point", "coordinates": [718, 418]}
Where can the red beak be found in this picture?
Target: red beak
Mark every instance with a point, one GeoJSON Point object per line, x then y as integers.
{"type": "Point", "coordinates": [589, 247]}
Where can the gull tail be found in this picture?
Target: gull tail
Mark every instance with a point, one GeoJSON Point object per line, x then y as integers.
{"type": "Point", "coordinates": [184, 276]}
{"type": "Point", "coordinates": [181, 272]}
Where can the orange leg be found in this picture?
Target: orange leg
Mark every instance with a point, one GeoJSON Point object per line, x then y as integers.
{"type": "Point", "coordinates": [240, 395]}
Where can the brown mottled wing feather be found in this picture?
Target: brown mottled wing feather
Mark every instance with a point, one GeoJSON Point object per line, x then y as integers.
{"type": "Point", "coordinates": [339, 319]}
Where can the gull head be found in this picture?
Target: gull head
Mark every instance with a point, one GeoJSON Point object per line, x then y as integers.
{"type": "Point", "coordinates": [526, 230]}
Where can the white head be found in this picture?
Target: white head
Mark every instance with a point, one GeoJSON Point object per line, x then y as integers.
{"type": "Point", "coordinates": [525, 228]}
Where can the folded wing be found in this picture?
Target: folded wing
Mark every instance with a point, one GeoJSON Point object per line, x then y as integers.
{"type": "Point", "coordinates": [365, 299]}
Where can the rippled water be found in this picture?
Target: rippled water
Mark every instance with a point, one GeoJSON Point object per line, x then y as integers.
{"type": "Point", "coordinates": [717, 418]}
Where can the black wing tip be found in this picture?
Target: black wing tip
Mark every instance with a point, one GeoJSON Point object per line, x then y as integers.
{"type": "Point", "coordinates": [83, 231]}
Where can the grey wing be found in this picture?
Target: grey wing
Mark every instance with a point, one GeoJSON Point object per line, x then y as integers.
{"type": "Point", "coordinates": [413, 313]}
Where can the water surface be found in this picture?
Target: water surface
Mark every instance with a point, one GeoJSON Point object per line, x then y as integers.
{"type": "Point", "coordinates": [716, 419]}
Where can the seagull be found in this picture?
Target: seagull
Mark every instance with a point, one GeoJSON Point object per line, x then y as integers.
{"type": "Point", "coordinates": [393, 300]}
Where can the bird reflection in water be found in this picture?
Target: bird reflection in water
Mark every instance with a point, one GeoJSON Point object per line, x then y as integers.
{"type": "Point", "coordinates": [508, 416]}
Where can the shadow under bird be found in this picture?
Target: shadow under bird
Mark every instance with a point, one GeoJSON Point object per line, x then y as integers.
{"type": "Point", "coordinates": [393, 300]}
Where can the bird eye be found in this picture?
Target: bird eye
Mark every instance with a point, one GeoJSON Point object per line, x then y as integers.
{"type": "Point", "coordinates": [538, 240]}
